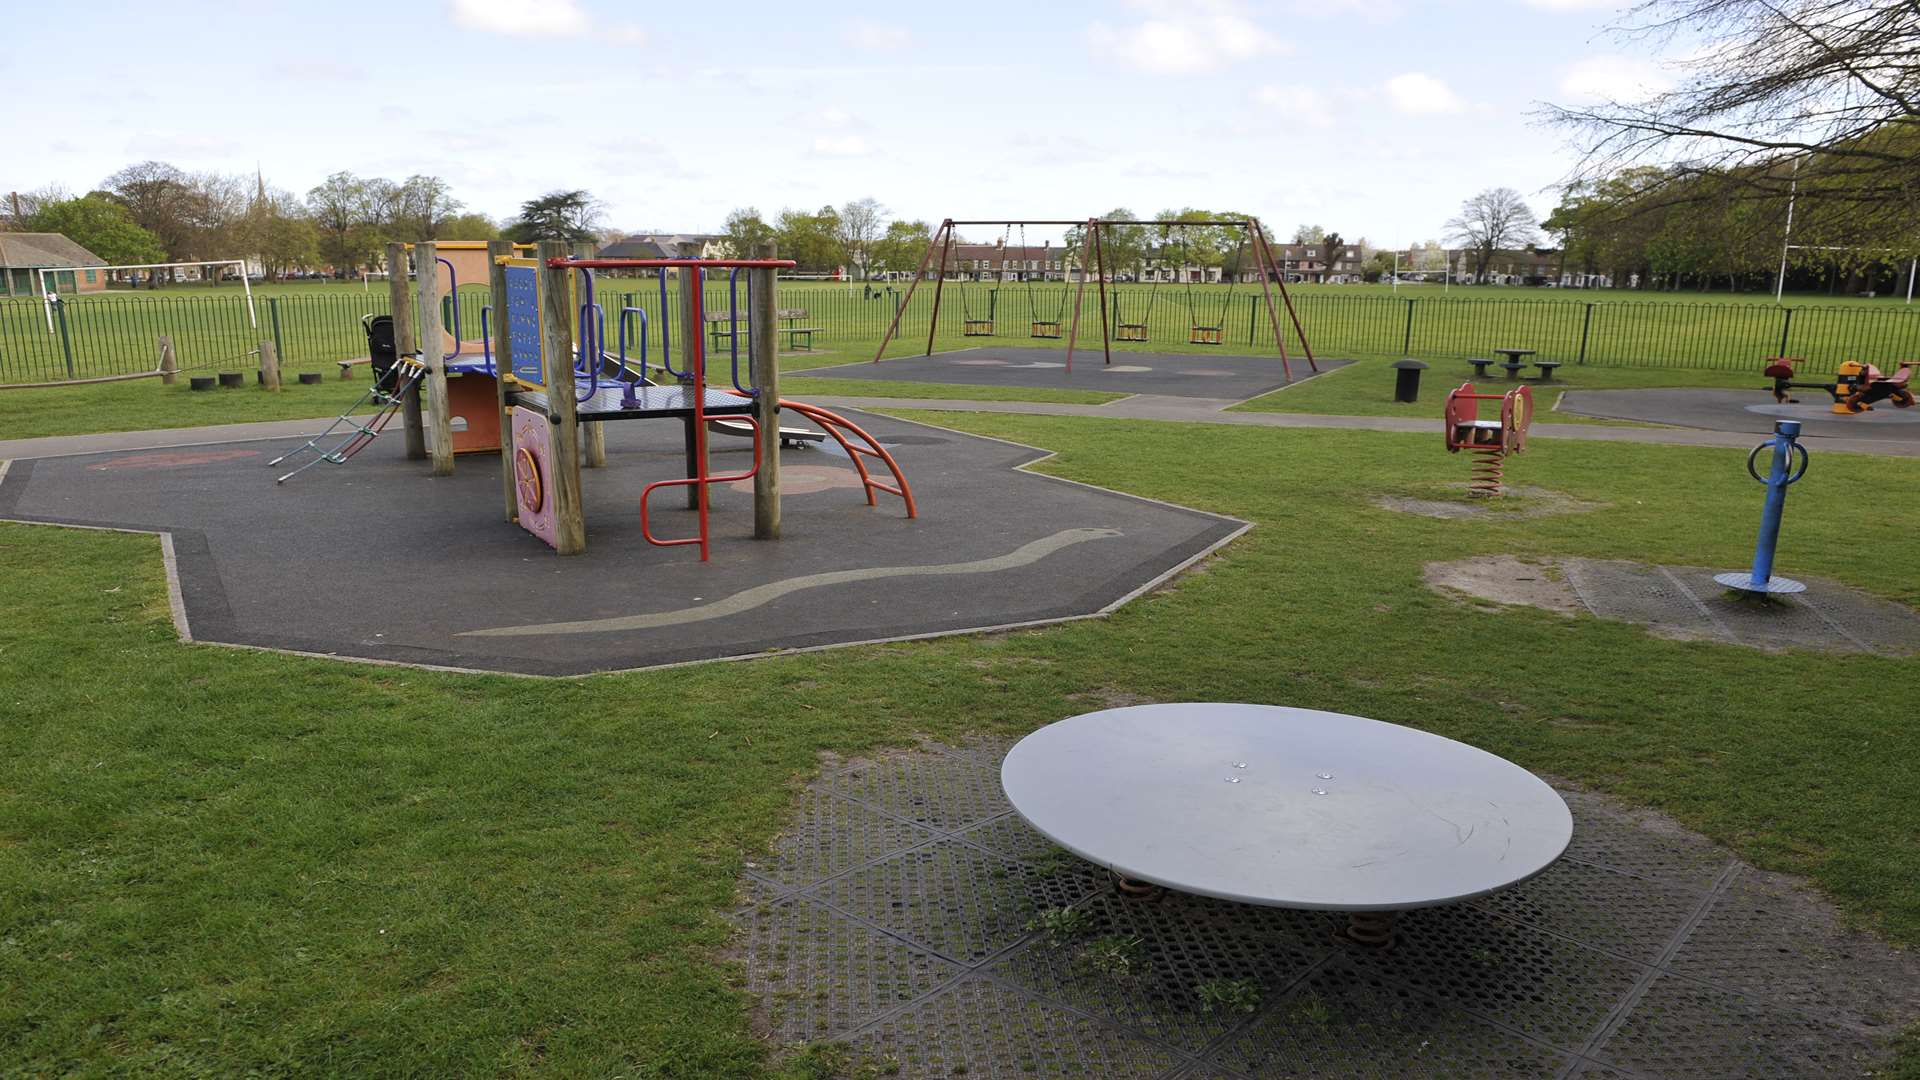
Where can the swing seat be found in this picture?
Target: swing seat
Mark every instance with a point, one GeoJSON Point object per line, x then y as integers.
{"type": "Point", "coordinates": [978, 328]}
{"type": "Point", "coordinates": [1205, 335]}
{"type": "Point", "coordinates": [1130, 332]}
{"type": "Point", "coordinates": [1046, 329]}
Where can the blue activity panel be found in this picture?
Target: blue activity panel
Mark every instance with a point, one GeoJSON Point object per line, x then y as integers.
{"type": "Point", "coordinates": [523, 324]}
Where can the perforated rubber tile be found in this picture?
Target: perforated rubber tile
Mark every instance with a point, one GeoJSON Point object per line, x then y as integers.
{"type": "Point", "coordinates": [1143, 964]}
{"type": "Point", "coordinates": [1647, 951]}
{"type": "Point", "coordinates": [1344, 1021]}
{"type": "Point", "coordinates": [979, 1029]}
{"type": "Point", "coordinates": [1690, 1031]}
{"type": "Point", "coordinates": [955, 900]}
{"type": "Point", "coordinates": [816, 974]}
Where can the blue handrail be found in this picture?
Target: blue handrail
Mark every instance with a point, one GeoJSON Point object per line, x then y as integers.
{"type": "Point", "coordinates": [666, 334]}
{"type": "Point", "coordinates": [589, 347]}
{"type": "Point", "coordinates": [733, 328]}
{"type": "Point", "coordinates": [486, 338]}
{"type": "Point", "coordinates": [628, 399]}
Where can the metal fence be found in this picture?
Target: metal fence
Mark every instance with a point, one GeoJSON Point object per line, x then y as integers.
{"type": "Point", "coordinates": [116, 335]}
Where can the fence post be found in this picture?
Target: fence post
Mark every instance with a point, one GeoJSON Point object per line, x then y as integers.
{"type": "Point", "coordinates": [169, 365]}
{"type": "Point", "coordinates": [1786, 326]}
{"type": "Point", "coordinates": [1585, 325]}
{"type": "Point", "coordinates": [1406, 347]}
{"type": "Point", "coordinates": [269, 367]}
{"type": "Point", "coordinates": [1253, 316]}
{"type": "Point", "coordinates": [273, 315]}
{"type": "Point", "coordinates": [66, 339]}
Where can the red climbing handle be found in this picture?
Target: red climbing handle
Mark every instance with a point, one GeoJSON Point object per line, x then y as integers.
{"type": "Point", "coordinates": [730, 478]}
{"type": "Point", "coordinates": [833, 423]}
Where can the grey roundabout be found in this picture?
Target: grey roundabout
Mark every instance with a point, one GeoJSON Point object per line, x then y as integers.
{"type": "Point", "coordinates": [1286, 807]}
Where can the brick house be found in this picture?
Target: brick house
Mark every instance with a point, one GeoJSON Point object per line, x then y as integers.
{"type": "Point", "coordinates": [23, 255]}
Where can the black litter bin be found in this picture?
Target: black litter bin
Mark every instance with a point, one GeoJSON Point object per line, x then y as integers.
{"type": "Point", "coordinates": [1406, 380]}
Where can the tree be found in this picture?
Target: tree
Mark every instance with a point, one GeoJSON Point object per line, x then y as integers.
{"type": "Point", "coordinates": [747, 232]}
{"type": "Point", "coordinates": [339, 207]}
{"type": "Point", "coordinates": [1309, 234]}
{"type": "Point", "coordinates": [902, 248]}
{"type": "Point", "coordinates": [160, 199]}
{"type": "Point", "coordinates": [1775, 96]}
{"type": "Point", "coordinates": [567, 216]}
{"type": "Point", "coordinates": [811, 240]}
{"type": "Point", "coordinates": [468, 226]}
{"type": "Point", "coordinates": [1495, 219]}
{"type": "Point", "coordinates": [99, 224]}
{"type": "Point", "coordinates": [420, 206]}
{"type": "Point", "coordinates": [860, 226]}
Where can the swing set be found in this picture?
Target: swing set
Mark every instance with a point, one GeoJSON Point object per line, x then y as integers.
{"type": "Point", "coordinates": [1206, 318]}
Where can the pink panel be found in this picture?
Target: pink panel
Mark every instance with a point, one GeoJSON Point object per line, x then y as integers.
{"type": "Point", "coordinates": [533, 438]}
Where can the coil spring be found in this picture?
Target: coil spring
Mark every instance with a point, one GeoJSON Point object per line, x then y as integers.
{"type": "Point", "coordinates": [1489, 465]}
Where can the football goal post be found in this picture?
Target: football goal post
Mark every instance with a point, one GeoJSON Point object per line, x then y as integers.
{"type": "Point", "coordinates": [49, 286]}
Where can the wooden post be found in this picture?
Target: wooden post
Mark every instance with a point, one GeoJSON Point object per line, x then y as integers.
{"type": "Point", "coordinates": [426, 278]}
{"type": "Point", "coordinates": [765, 370]}
{"type": "Point", "coordinates": [169, 364]}
{"type": "Point", "coordinates": [269, 367]}
{"type": "Point", "coordinates": [692, 334]}
{"type": "Point", "coordinates": [502, 369]}
{"type": "Point", "coordinates": [401, 302]}
{"type": "Point", "coordinates": [556, 344]}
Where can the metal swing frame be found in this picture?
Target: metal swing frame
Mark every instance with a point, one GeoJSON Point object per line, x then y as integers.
{"type": "Point", "coordinates": [1093, 256]}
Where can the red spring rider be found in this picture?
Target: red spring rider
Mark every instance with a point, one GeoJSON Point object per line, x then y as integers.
{"type": "Point", "coordinates": [1489, 441]}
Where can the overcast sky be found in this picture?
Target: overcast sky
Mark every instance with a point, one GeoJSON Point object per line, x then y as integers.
{"type": "Point", "coordinates": [1371, 117]}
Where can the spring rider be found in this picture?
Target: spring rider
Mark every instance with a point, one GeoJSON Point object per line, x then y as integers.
{"type": "Point", "coordinates": [1489, 441]}
{"type": "Point", "coordinates": [1854, 389]}
{"type": "Point", "coordinates": [1760, 580]}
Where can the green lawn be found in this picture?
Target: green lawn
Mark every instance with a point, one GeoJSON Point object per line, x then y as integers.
{"type": "Point", "coordinates": [216, 861]}
{"type": "Point", "coordinates": [1365, 388]}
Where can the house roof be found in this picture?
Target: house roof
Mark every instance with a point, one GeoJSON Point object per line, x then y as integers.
{"type": "Point", "coordinates": [635, 249]}
{"type": "Point", "coordinates": [20, 250]}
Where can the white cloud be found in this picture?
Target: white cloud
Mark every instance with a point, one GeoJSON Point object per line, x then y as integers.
{"type": "Point", "coordinates": [522, 18]}
{"type": "Point", "coordinates": [1301, 104]}
{"type": "Point", "coordinates": [841, 146]}
{"type": "Point", "coordinates": [626, 34]}
{"type": "Point", "coordinates": [1185, 39]}
{"type": "Point", "coordinates": [1421, 94]}
{"type": "Point", "coordinates": [862, 34]}
{"type": "Point", "coordinates": [1619, 78]}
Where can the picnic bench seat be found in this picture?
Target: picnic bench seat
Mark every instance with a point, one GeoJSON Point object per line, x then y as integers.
{"type": "Point", "coordinates": [347, 366]}
{"type": "Point", "coordinates": [721, 326]}
{"type": "Point", "coordinates": [1480, 367]}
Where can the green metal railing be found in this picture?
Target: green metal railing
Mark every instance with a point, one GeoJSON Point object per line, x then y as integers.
{"type": "Point", "coordinates": [118, 335]}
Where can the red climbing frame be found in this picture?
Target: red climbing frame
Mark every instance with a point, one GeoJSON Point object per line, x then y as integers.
{"type": "Point", "coordinates": [835, 423]}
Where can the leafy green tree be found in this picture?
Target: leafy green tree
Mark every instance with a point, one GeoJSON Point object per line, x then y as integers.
{"type": "Point", "coordinates": [568, 216]}
{"type": "Point", "coordinates": [468, 226]}
{"type": "Point", "coordinates": [99, 224]}
{"type": "Point", "coordinates": [747, 232]}
{"type": "Point", "coordinates": [903, 246]}
{"type": "Point", "coordinates": [811, 240]}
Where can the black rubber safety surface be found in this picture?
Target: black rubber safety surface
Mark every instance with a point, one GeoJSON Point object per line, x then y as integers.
{"type": "Point", "coordinates": [378, 559]}
{"type": "Point", "coordinates": [1200, 375]}
{"type": "Point", "coordinates": [1745, 410]}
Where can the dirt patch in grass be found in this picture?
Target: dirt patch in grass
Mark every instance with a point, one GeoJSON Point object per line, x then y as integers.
{"type": "Point", "coordinates": [1505, 579]}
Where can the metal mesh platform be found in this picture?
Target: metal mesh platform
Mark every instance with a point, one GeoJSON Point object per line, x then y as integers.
{"type": "Point", "coordinates": [908, 914]}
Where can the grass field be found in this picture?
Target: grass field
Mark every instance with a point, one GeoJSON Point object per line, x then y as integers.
{"type": "Point", "coordinates": [219, 862]}
{"type": "Point", "coordinates": [1365, 388]}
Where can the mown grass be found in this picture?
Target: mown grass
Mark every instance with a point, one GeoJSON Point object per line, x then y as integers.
{"type": "Point", "coordinates": [1365, 388]}
{"type": "Point", "coordinates": [217, 861]}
